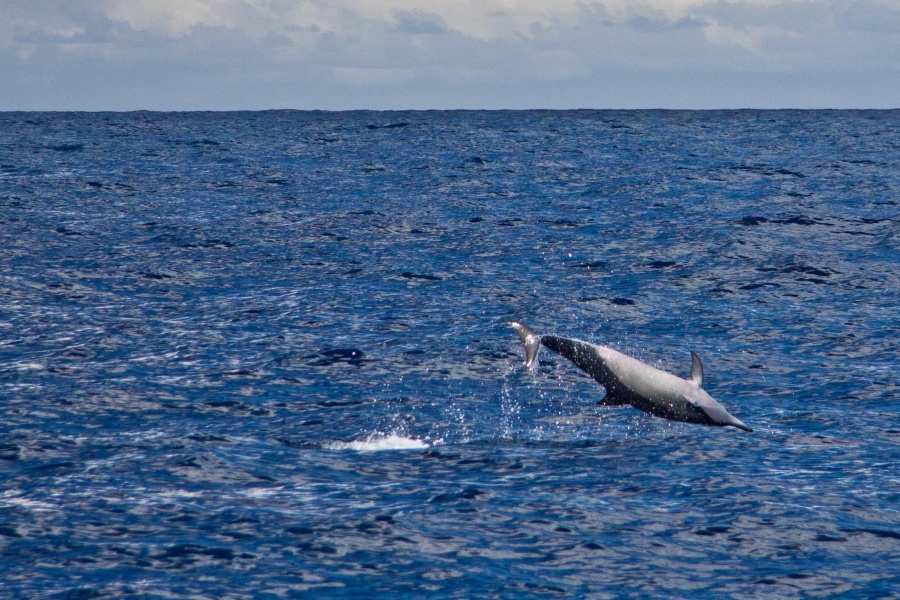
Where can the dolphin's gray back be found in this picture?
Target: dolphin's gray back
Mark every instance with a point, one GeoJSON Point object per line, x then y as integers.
{"type": "Point", "coordinates": [589, 358]}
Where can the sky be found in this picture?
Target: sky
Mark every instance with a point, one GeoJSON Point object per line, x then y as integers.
{"type": "Point", "coordinates": [448, 54]}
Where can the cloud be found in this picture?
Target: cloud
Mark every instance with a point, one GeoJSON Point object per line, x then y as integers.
{"type": "Point", "coordinates": [220, 54]}
{"type": "Point", "coordinates": [418, 22]}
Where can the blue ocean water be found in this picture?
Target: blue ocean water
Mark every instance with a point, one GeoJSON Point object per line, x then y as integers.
{"type": "Point", "coordinates": [267, 354]}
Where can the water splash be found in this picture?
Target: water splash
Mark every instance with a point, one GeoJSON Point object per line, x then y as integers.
{"type": "Point", "coordinates": [379, 441]}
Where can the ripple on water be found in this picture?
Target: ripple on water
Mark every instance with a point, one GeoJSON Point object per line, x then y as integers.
{"type": "Point", "coordinates": [268, 353]}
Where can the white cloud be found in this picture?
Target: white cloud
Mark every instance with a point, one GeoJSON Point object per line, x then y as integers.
{"type": "Point", "coordinates": [419, 22]}
{"type": "Point", "coordinates": [448, 53]}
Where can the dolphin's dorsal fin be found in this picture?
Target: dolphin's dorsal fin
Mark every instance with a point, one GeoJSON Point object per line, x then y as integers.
{"type": "Point", "coordinates": [696, 369]}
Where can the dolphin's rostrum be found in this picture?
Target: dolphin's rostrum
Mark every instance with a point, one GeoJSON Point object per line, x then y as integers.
{"type": "Point", "coordinates": [629, 381]}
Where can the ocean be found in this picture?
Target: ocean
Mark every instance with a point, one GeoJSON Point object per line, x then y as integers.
{"type": "Point", "coordinates": [267, 354]}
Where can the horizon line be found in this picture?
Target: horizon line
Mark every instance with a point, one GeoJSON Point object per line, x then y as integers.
{"type": "Point", "coordinates": [425, 110]}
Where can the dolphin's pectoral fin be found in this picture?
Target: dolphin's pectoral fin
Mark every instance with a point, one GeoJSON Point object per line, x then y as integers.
{"type": "Point", "coordinates": [696, 369]}
{"type": "Point", "coordinates": [612, 399]}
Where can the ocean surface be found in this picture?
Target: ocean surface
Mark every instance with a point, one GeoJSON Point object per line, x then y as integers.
{"type": "Point", "coordinates": [267, 354]}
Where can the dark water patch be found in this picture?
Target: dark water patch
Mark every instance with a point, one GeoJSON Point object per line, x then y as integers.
{"type": "Point", "coordinates": [212, 243]}
{"type": "Point", "coordinates": [76, 353]}
{"type": "Point", "coordinates": [51, 468]}
{"type": "Point", "coordinates": [768, 171]}
{"type": "Point", "coordinates": [68, 148]}
{"type": "Point", "coordinates": [453, 497]}
{"type": "Point", "coordinates": [809, 271]}
{"type": "Point", "coordinates": [79, 593]}
{"type": "Point", "coordinates": [70, 232]}
{"type": "Point", "coordinates": [399, 400]}
{"type": "Point", "coordinates": [388, 125]}
{"type": "Point", "coordinates": [662, 264]}
{"type": "Point", "coordinates": [622, 301]}
{"type": "Point", "coordinates": [538, 590]}
{"type": "Point", "coordinates": [420, 276]}
{"type": "Point", "coordinates": [203, 143]}
{"type": "Point", "coordinates": [188, 553]}
{"type": "Point", "coordinates": [756, 286]}
{"type": "Point", "coordinates": [856, 232]}
{"type": "Point", "coordinates": [343, 402]}
{"type": "Point", "coordinates": [206, 439]}
{"type": "Point", "coordinates": [113, 187]}
{"type": "Point", "coordinates": [314, 549]}
{"type": "Point", "coordinates": [300, 530]}
{"type": "Point", "coordinates": [9, 451]}
{"type": "Point", "coordinates": [337, 356]}
{"type": "Point", "coordinates": [879, 533]}
{"type": "Point", "coordinates": [334, 236]}
{"type": "Point", "coordinates": [751, 221]}
{"type": "Point", "coordinates": [766, 581]}
{"type": "Point", "coordinates": [563, 223]}
{"type": "Point", "coordinates": [798, 268]}
{"type": "Point", "coordinates": [299, 444]}
{"type": "Point", "coordinates": [790, 220]}
{"type": "Point", "coordinates": [800, 220]}
{"type": "Point", "coordinates": [789, 173]}
{"type": "Point", "coordinates": [787, 220]}
{"type": "Point", "coordinates": [867, 162]}
{"type": "Point", "coordinates": [10, 532]}
{"type": "Point", "coordinates": [597, 264]}
{"type": "Point", "coordinates": [712, 531]}
{"type": "Point", "coordinates": [829, 538]}
{"type": "Point", "coordinates": [869, 221]}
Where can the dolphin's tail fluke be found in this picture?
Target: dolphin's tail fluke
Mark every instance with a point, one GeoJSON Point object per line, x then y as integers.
{"type": "Point", "coordinates": [530, 340]}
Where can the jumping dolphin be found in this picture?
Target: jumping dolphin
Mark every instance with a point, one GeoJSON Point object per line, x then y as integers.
{"type": "Point", "coordinates": [629, 381]}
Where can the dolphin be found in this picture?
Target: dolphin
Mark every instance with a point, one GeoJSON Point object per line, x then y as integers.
{"type": "Point", "coordinates": [629, 381]}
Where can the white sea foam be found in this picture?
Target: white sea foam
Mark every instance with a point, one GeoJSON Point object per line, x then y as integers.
{"type": "Point", "coordinates": [379, 441]}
